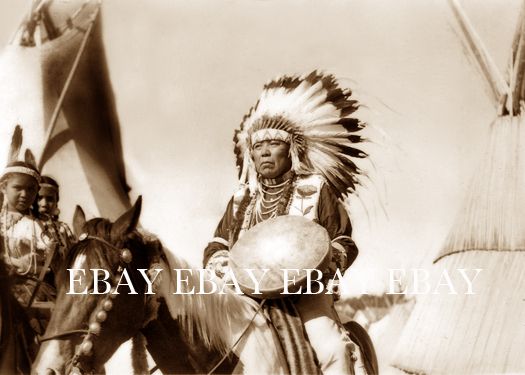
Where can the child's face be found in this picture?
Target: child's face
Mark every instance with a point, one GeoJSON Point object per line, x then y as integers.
{"type": "Point", "coordinates": [20, 191]}
{"type": "Point", "coordinates": [47, 202]}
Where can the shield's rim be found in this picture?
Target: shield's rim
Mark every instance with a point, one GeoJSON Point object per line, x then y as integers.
{"type": "Point", "coordinates": [274, 293]}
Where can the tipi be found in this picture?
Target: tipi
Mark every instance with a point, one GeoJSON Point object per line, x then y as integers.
{"type": "Point", "coordinates": [55, 84]}
{"type": "Point", "coordinates": [482, 330]}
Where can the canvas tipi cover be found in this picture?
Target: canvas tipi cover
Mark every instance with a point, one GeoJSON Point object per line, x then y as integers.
{"type": "Point", "coordinates": [55, 84]}
{"type": "Point", "coordinates": [482, 330]}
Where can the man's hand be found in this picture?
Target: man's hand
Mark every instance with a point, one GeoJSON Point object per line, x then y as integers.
{"type": "Point", "coordinates": [218, 263]}
{"type": "Point", "coordinates": [221, 267]}
{"type": "Point", "coordinates": [331, 268]}
{"type": "Point", "coordinates": [333, 265]}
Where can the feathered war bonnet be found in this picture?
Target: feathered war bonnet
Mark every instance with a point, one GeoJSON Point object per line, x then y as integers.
{"type": "Point", "coordinates": [28, 166]}
{"type": "Point", "coordinates": [314, 115]}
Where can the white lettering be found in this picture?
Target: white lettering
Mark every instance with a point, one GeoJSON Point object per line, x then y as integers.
{"type": "Point", "coordinates": [146, 274]}
{"type": "Point", "coordinates": [335, 281]}
{"type": "Point", "coordinates": [230, 281]}
{"type": "Point", "coordinates": [96, 280]}
{"type": "Point", "coordinates": [207, 281]}
{"type": "Point", "coordinates": [256, 281]}
{"type": "Point", "coordinates": [417, 280]}
{"type": "Point", "coordinates": [128, 283]}
{"type": "Point", "coordinates": [72, 280]}
{"type": "Point", "coordinates": [287, 281]}
{"type": "Point", "coordinates": [395, 285]}
{"type": "Point", "coordinates": [180, 280]}
{"type": "Point", "coordinates": [310, 281]}
{"type": "Point", "coordinates": [468, 281]}
{"type": "Point", "coordinates": [448, 282]}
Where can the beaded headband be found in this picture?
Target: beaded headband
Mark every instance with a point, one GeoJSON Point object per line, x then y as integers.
{"type": "Point", "coordinates": [22, 170]}
{"type": "Point", "coordinates": [270, 135]}
{"type": "Point", "coordinates": [48, 186]}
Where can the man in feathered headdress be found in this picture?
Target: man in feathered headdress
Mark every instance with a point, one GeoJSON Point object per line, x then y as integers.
{"type": "Point", "coordinates": [294, 150]}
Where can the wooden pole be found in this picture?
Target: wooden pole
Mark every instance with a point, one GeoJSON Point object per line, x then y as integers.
{"type": "Point", "coordinates": [497, 84]}
{"type": "Point", "coordinates": [517, 35]}
{"type": "Point", "coordinates": [63, 93]}
{"type": "Point", "coordinates": [517, 80]}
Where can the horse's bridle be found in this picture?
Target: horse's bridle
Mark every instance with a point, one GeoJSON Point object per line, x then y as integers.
{"type": "Point", "coordinates": [84, 350]}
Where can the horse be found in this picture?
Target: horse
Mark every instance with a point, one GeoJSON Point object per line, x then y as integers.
{"type": "Point", "coordinates": [16, 335]}
{"type": "Point", "coordinates": [210, 316]}
{"type": "Point", "coordinates": [85, 330]}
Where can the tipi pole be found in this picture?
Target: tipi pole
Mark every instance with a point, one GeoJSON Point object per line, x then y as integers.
{"type": "Point", "coordinates": [63, 93]}
{"type": "Point", "coordinates": [497, 84]}
{"type": "Point", "coordinates": [517, 34]}
{"type": "Point", "coordinates": [518, 64]}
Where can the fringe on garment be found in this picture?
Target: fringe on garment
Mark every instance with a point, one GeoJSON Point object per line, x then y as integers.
{"type": "Point", "coordinates": [290, 330]}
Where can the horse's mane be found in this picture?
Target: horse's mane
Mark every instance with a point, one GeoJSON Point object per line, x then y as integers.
{"type": "Point", "coordinates": [209, 317]}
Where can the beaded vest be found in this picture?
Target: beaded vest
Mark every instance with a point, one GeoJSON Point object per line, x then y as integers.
{"type": "Point", "coordinates": [289, 195]}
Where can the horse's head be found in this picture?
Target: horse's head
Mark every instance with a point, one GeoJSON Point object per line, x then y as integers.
{"type": "Point", "coordinates": [86, 329]}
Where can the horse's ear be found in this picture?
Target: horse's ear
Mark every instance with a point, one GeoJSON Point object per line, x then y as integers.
{"type": "Point", "coordinates": [127, 222]}
{"type": "Point", "coordinates": [79, 219]}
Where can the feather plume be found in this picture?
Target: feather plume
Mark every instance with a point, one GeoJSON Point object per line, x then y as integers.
{"type": "Point", "coordinates": [16, 145]}
{"type": "Point", "coordinates": [30, 159]}
{"type": "Point", "coordinates": [317, 114]}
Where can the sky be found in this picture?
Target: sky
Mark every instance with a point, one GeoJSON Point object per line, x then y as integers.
{"type": "Point", "coordinates": [184, 73]}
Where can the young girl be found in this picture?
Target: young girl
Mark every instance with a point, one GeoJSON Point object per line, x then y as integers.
{"type": "Point", "coordinates": [48, 212]}
{"type": "Point", "coordinates": [24, 245]}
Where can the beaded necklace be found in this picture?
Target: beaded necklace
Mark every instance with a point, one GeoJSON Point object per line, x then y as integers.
{"type": "Point", "coordinates": [7, 248]}
{"type": "Point", "coordinates": [250, 212]}
{"type": "Point", "coordinates": [270, 201]}
{"type": "Point", "coordinates": [267, 208]}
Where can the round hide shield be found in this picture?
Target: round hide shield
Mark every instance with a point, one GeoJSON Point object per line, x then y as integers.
{"type": "Point", "coordinates": [285, 242]}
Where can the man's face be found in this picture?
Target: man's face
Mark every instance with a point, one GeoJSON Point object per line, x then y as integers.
{"type": "Point", "coordinates": [20, 191]}
{"type": "Point", "coordinates": [47, 202]}
{"type": "Point", "coordinates": [272, 158]}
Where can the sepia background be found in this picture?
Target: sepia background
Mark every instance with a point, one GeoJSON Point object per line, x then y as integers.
{"type": "Point", "coordinates": [184, 73]}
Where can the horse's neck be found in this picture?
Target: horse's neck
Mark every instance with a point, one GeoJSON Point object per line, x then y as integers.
{"type": "Point", "coordinates": [168, 345]}
{"type": "Point", "coordinates": [220, 320]}
{"type": "Point", "coordinates": [214, 316]}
